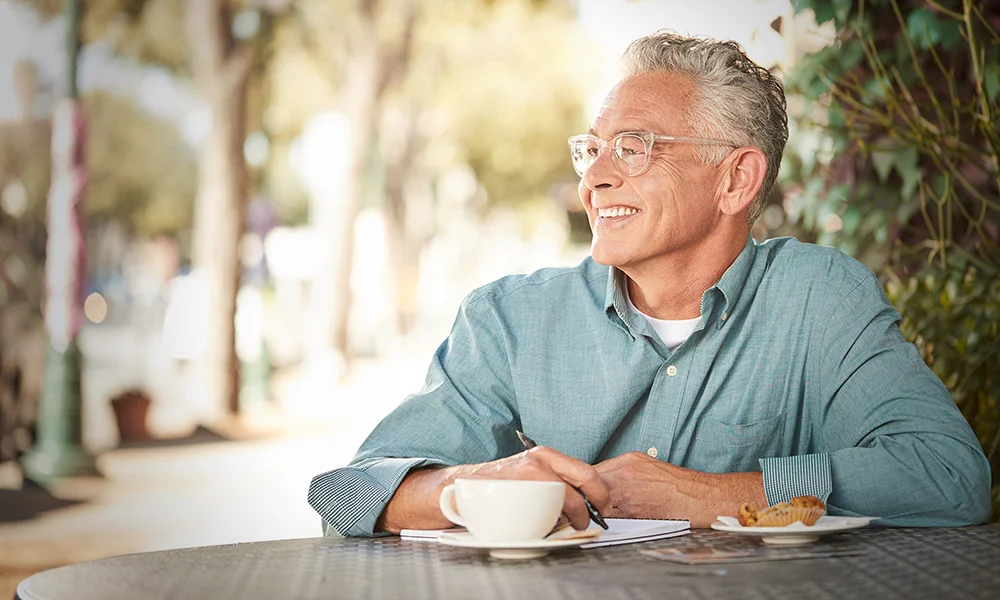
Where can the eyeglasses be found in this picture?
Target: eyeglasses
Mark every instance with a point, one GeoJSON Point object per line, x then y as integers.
{"type": "Point", "coordinates": [630, 150]}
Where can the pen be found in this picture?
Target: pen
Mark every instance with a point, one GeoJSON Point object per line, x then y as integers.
{"type": "Point", "coordinates": [594, 515]}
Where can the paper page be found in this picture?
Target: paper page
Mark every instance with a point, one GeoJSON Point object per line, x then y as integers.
{"type": "Point", "coordinates": [602, 542]}
{"type": "Point", "coordinates": [620, 531]}
{"type": "Point", "coordinates": [427, 534]}
{"type": "Point", "coordinates": [632, 531]}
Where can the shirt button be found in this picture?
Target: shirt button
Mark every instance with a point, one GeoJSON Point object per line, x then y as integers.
{"type": "Point", "coordinates": [652, 451]}
{"type": "Point", "coordinates": [671, 370]}
{"type": "Point", "coordinates": [725, 316]}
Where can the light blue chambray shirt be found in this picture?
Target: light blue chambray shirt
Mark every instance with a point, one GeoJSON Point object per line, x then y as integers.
{"type": "Point", "coordinates": [797, 369]}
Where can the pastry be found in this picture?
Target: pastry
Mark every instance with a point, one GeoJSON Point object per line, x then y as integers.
{"type": "Point", "coordinates": [747, 515]}
{"type": "Point", "coordinates": [807, 509]}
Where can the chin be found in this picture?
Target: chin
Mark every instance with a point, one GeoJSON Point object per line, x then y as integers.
{"type": "Point", "coordinates": [604, 256]}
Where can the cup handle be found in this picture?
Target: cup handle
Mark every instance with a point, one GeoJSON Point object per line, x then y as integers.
{"type": "Point", "coordinates": [445, 503]}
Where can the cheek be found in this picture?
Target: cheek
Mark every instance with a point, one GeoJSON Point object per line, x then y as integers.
{"type": "Point", "coordinates": [654, 193]}
{"type": "Point", "coordinates": [667, 170]}
{"type": "Point", "coordinates": [656, 186]}
{"type": "Point", "coordinates": [584, 192]}
{"type": "Point", "coordinates": [673, 186]}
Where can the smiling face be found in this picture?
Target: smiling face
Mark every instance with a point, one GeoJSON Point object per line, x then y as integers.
{"type": "Point", "coordinates": [669, 208]}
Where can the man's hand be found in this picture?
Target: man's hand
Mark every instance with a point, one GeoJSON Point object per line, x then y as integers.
{"type": "Point", "coordinates": [643, 487]}
{"type": "Point", "coordinates": [415, 503]}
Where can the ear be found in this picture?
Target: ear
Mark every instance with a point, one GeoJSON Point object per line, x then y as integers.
{"type": "Point", "coordinates": [743, 176]}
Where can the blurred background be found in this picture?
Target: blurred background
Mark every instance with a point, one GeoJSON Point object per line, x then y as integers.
{"type": "Point", "coordinates": [232, 232]}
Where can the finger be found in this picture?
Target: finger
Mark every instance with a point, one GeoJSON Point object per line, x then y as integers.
{"type": "Point", "coordinates": [575, 510]}
{"type": "Point", "coordinates": [576, 473]}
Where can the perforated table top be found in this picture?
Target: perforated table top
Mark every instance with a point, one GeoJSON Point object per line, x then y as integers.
{"type": "Point", "coordinates": [907, 563]}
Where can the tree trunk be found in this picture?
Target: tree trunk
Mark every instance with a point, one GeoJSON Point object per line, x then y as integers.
{"type": "Point", "coordinates": [360, 94]}
{"type": "Point", "coordinates": [406, 237]}
{"type": "Point", "coordinates": [221, 71]}
{"type": "Point", "coordinates": [371, 71]}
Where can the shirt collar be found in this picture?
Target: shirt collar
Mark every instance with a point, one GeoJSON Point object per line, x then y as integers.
{"type": "Point", "coordinates": [615, 303]}
{"type": "Point", "coordinates": [730, 285]}
{"type": "Point", "coordinates": [732, 281]}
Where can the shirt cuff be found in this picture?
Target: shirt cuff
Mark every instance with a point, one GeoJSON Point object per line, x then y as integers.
{"type": "Point", "coordinates": [791, 476]}
{"type": "Point", "coordinates": [350, 500]}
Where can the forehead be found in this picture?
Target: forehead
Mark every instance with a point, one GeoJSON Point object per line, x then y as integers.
{"type": "Point", "coordinates": [656, 101]}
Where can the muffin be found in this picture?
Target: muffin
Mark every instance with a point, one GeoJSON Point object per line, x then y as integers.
{"type": "Point", "coordinates": [807, 509]}
{"type": "Point", "coordinates": [747, 515]}
{"type": "Point", "coordinates": [777, 515]}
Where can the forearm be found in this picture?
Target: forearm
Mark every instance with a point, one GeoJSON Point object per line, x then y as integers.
{"type": "Point", "coordinates": [647, 488]}
{"type": "Point", "coordinates": [912, 481]}
{"type": "Point", "coordinates": [896, 446]}
{"type": "Point", "coordinates": [415, 503]}
{"type": "Point", "coordinates": [714, 494]}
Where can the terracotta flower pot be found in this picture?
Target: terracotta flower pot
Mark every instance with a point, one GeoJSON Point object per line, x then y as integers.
{"type": "Point", "coordinates": [131, 409]}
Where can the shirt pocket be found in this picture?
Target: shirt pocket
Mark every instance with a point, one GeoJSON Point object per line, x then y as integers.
{"type": "Point", "coordinates": [736, 447]}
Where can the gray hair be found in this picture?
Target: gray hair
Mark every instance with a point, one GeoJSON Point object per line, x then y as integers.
{"type": "Point", "coordinates": [736, 99]}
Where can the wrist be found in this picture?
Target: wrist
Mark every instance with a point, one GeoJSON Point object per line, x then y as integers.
{"type": "Point", "coordinates": [744, 488]}
{"type": "Point", "coordinates": [728, 492]}
{"type": "Point", "coordinates": [414, 505]}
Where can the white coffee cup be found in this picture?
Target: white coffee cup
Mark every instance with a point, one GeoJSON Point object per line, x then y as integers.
{"type": "Point", "coordinates": [504, 510]}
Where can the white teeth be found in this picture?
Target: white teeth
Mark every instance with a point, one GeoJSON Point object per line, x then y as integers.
{"type": "Point", "coordinates": [616, 211]}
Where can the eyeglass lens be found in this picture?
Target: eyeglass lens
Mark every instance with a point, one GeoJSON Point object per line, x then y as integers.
{"type": "Point", "coordinates": [629, 153]}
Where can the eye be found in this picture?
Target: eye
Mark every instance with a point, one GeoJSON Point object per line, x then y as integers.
{"type": "Point", "coordinates": [630, 146]}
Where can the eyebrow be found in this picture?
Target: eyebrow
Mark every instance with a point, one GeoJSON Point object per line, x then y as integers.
{"type": "Point", "coordinates": [593, 132]}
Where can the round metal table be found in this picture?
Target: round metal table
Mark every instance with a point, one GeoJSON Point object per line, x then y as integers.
{"type": "Point", "coordinates": [905, 563]}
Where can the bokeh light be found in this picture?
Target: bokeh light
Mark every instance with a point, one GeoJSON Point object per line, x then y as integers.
{"type": "Point", "coordinates": [95, 308]}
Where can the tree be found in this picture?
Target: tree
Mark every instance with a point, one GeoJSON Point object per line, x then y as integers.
{"type": "Point", "coordinates": [198, 39]}
{"type": "Point", "coordinates": [501, 87]}
{"type": "Point", "coordinates": [494, 86]}
{"type": "Point", "coordinates": [221, 67]}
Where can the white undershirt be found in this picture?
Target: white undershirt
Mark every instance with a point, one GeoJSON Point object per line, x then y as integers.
{"type": "Point", "coordinates": [673, 333]}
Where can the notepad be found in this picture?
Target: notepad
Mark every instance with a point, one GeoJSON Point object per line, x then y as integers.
{"type": "Point", "coordinates": [620, 531]}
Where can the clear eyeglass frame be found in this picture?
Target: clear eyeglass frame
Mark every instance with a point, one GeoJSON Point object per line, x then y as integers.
{"type": "Point", "coordinates": [631, 150]}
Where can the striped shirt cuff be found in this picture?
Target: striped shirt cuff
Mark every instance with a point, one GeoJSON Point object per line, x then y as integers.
{"type": "Point", "coordinates": [350, 500]}
{"type": "Point", "coordinates": [806, 475]}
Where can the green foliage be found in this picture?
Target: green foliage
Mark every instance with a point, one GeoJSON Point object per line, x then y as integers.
{"type": "Point", "coordinates": [497, 86]}
{"type": "Point", "coordinates": [953, 316]}
{"type": "Point", "coordinates": [899, 139]}
{"type": "Point", "coordinates": [140, 170]}
{"type": "Point", "coordinates": [512, 86]}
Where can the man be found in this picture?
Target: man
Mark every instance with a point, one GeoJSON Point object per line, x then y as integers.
{"type": "Point", "coordinates": [684, 369]}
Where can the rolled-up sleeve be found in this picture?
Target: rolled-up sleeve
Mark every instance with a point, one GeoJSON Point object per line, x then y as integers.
{"type": "Point", "coordinates": [898, 447]}
{"type": "Point", "coordinates": [790, 476]}
{"type": "Point", "coordinates": [466, 413]}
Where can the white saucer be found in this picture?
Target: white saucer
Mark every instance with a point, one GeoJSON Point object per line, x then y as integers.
{"type": "Point", "coordinates": [510, 550]}
{"type": "Point", "coordinates": [796, 533]}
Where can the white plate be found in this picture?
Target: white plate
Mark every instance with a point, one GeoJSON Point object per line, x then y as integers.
{"type": "Point", "coordinates": [510, 550]}
{"type": "Point", "coordinates": [796, 533]}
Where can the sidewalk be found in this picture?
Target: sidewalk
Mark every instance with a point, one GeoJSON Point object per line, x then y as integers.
{"type": "Point", "coordinates": [216, 492]}
{"type": "Point", "coordinates": [155, 499]}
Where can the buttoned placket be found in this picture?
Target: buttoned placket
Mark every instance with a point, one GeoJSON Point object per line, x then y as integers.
{"type": "Point", "coordinates": [656, 433]}
{"type": "Point", "coordinates": [659, 428]}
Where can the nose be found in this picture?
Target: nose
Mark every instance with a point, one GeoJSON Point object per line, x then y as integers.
{"type": "Point", "coordinates": [602, 173]}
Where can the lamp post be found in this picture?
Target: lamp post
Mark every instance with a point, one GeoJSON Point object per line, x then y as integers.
{"type": "Point", "coordinates": [58, 450]}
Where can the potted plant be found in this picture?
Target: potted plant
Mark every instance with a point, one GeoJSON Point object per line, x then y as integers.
{"type": "Point", "coordinates": [131, 408]}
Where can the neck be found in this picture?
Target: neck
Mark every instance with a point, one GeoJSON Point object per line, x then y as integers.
{"type": "Point", "coordinates": [670, 287]}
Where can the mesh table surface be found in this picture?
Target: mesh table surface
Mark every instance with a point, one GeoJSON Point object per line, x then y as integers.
{"type": "Point", "coordinates": [910, 563]}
